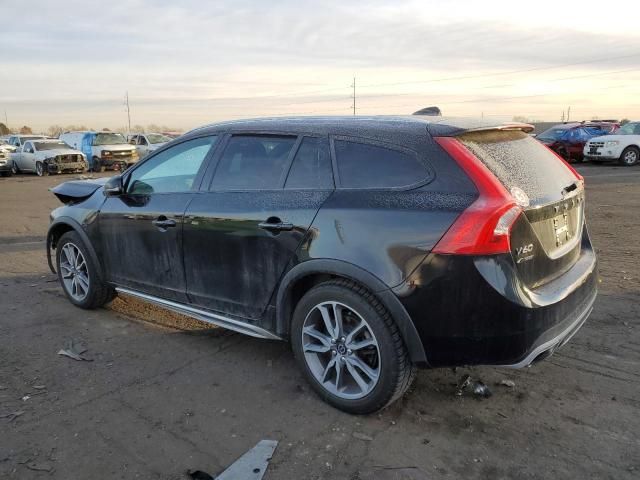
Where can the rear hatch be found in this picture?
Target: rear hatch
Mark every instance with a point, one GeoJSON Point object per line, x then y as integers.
{"type": "Point", "coordinates": [546, 239]}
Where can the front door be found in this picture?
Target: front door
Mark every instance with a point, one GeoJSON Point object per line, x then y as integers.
{"type": "Point", "coordinates": [240, 236]}
{"type": "Point", "coordinates": [141, 230]}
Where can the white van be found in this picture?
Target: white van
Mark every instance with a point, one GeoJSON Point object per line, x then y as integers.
{"type": "Point", "coordinates": [102, 149]}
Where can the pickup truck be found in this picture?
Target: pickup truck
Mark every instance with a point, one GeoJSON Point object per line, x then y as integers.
{"type": "Point", "coordinates": [104, 150]}
{"type": "Point", "coordinates": [623, 146]}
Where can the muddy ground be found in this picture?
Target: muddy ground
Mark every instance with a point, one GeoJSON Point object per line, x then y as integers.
{"type": "Point", "coordinates": [163, 394]}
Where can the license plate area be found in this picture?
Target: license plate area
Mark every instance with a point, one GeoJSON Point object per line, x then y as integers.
{"type": "Point", "coordinates": [562, 227]}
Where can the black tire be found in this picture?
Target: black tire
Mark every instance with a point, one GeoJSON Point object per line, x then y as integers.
{"type": "Point", "coordinates": [99, 293]}
{"type": "Point", "coordinates": [41, 169]}
{"type": "Point", "coordinates": [396, 369]}
{"type": "Point", "coordinates": [7, 173]}
{"type": "Point", "coordinates": [14, 168]}
{"type": "Point", "coordinates": [630, 156]}
{"type": "Point", "coordinates": [97, 165]}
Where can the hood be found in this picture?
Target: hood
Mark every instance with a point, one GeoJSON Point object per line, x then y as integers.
{"type": "Point", "coordinates": [57, 151]}
{"type": "Point", "coordinates": [77, 190]}
{"type": "Point", "coordinates": [7, 148]}
{"type": "Point", "coordinates": [608, 138]}
{"type": "Point", "coordinates": [156, 146]}
{"type": "Point", "coordinates": [124, 147]}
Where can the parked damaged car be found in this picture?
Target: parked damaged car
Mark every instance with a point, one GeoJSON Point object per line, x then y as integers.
{"type": "Point", "coordinates": [374, 245]}
{"type": "Point", "coordinates": [146, 143]}
{"type": "Point", "coordinates": [103, 150]}
{"type": "Point", "coordinates": [568, 139]}
{"type": "Point", "coordinates": [623, 146]}
{"type": "Point", "coordinates": [46, 156]}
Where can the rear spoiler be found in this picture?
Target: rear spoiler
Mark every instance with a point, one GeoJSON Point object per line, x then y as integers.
{"type": "Point", "coordinates": [454, 129]}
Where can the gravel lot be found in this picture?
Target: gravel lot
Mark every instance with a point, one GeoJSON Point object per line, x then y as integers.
{"type": "Point", "coordinates": [163, 394]}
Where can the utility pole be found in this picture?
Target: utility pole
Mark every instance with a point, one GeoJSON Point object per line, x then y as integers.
{"type": "Point", "coordinates": [6, 121]}
{"type": "Point", "coordinates": [126, 99]}
{"type": "Point", "coordinates": [562, 119]}
{"type": "Point", "coordinates": [568, 113]}
{"type": "Point", "coordinates": [354, 95]}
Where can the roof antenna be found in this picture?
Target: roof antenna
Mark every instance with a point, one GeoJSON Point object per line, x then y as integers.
{"type": "Point", "coordinates": [430, 111]}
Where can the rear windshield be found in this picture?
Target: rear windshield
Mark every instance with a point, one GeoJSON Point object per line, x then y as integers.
{"type": "Point", "coordinates": [553, 133]}
{"type": "Point", "coordinates": [517, 160]}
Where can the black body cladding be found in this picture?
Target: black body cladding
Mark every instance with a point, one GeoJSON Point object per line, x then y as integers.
{"type": "Point", "coordinates": [250, 253]}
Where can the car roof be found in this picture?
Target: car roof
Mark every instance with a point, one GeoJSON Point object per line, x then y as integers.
{"type": "Point", "coordinates": [349, 125]}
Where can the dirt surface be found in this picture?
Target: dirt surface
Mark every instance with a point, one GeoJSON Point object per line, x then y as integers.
{"type": "Point", "coordinates": [159, 398]}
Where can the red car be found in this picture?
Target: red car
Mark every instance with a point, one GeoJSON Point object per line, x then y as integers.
{"type": "Point", "coordinates": [568, 139]}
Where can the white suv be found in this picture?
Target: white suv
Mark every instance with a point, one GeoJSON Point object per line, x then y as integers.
{"type": "Point", "coordinates": [622, 146]}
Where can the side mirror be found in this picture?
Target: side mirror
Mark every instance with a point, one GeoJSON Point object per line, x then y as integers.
{"type": "Point", "coordinates": [113, 187]}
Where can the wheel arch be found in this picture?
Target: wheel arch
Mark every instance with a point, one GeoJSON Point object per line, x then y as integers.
{"type": "Point", "coordinates": [304, 276]}
{"type": "Point", "coordinates": [59, 227]}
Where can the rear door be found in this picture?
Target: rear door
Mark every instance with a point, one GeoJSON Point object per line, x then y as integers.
{"type": "Point", "coordinates": [240, 235]}
{"type": "Point", "coordinates": [546, 240]}
{"type": "Point", "coordinates": [141, 230]}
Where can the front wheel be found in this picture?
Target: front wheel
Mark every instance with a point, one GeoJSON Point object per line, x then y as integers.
{"type": "Point", "coordinates": [78, 274]}
{"type": "Point", "coordinates": [41, 169]}
{"type": "Point", "coordinates": [349, 348]}
{"type": "Point", "coordinates": [630, 156]}
{"type": "Point", "coordinates": [14, 168]}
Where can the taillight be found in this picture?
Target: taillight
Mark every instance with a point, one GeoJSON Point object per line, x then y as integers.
{"type": "Point", "coordinates": [484, 227]}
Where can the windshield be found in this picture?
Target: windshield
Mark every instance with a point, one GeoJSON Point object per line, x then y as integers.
{"type": "Point", "coordinates": [553, 134]}
{"type": "Point", "coordinates": [629, 129]}
{"type": "Point", "coordinates": [50, 145]}
{"type": "Point", "coordinates": [109, 139]}
{"type": "Point", "coordinates": [157, 138]}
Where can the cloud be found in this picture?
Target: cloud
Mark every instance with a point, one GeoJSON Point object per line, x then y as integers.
{"type": "Point", "coordinates": [230, 55]}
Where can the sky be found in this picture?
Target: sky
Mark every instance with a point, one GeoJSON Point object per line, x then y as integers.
{"type": "Point", "coordinates": [188, 63]}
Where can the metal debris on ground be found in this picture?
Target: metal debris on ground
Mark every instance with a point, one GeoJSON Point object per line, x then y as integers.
{"type": "Point", "coordinates": [478, 388]}
{"type": "Point", "coordinates": [74, 350]}
{"type": "Point", "coordinates": [362, 436]}
{"type": "Point", "coordinates": [250, 466]}
{"type": "Point", "coordinates": [463, 384]}
{"type": "Point", "coordinates": [507, 383]}
{"type": "Point", "coordinates": [481, 390]}
{"type": "Point", "coordinates": [13, 415]}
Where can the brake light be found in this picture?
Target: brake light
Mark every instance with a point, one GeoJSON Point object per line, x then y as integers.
{"type": "Point", "coordinates": [484, 228]}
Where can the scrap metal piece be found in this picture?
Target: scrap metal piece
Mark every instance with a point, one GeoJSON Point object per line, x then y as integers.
{"type": "Point", "coordinates": [253, 464]}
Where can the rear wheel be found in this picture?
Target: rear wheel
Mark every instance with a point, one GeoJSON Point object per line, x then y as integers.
{"type": "Point", "coordinates": [349, 348]}
{"type": "Point", "coordinates": [630, 156]}
{"type": "Point", "coordinates": [78, 274]}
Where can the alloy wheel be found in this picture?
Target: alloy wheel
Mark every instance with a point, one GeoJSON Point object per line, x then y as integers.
{"type": "Point", "coordinates": [39, 169]}
{"type": "Point", "coordinates": [74, 272]}
{"type": "Point", "coordinates": [341, 350]}
{"type": "Point", "coordinates": [630, 157]}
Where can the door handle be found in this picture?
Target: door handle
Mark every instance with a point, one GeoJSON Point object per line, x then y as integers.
{"type": "Point", "coordinates": [275, 224]}
{"type": "Point", "coordinates": [163, 222]}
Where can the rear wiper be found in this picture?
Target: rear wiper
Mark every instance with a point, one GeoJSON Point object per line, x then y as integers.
{"type": "Point", "coordinates": [570, 188]}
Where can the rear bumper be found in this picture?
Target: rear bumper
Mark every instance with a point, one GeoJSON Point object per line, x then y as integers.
{"type": "Point", "coordinates": [471, 312]}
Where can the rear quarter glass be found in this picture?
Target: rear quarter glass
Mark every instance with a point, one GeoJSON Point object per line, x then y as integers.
{"type": "Point", "coordinates": [518, 160]}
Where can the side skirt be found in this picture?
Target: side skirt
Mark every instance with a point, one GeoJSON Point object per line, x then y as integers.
{"type": "Point", "coordinates": [209, 317]}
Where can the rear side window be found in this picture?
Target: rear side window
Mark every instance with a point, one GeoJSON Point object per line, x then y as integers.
{"type": "Point", "coordinates": [362, 165]}
{"type": "Point", "coordinates": [253, 163]}
{"type": "Point", "coordinates": [517, 160]}
{"type": "Point", "coordinates": [311, 166]}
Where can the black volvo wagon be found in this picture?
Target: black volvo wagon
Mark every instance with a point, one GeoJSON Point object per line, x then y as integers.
{"type": "Point", "coordinates": [374, 245]}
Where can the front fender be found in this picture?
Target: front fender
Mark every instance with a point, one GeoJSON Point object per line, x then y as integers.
{"type": "Point", "coordinates": [352, 272]}
{"type": "Point", "coordinates": [61, 225]}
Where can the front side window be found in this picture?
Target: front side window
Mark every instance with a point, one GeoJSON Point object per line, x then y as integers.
{"type": "Point", "coordinates": [311, 166]}
{"type": "Point", "coordinates": [363, 165]}
{"type": "Point", "coordinates": [28, 147]}
{"type": "Point", "coordinates": [172, 170]}
{"type": "Point", "coordinates": [253, 162]}
{"type": "Point", "coordinates": [142, 140]}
